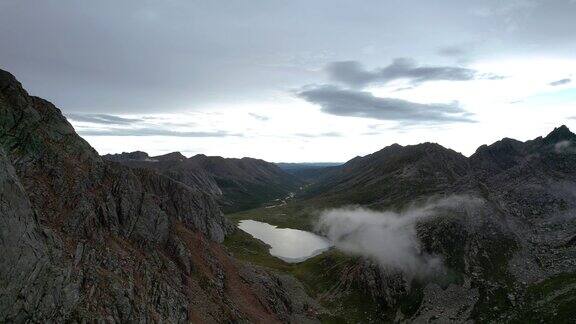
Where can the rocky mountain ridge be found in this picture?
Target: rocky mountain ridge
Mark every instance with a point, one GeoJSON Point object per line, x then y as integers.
{"type": "Point", "coordinates": [511, 259]}
{"type": "Point", "coordinates": [238, 184]}
{"type": "Point", "coordinates": [137, 238]}
{"type": "Point", "coordinates": [85, 239]}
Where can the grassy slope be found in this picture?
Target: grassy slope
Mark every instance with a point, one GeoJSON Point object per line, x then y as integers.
{"type": "Point", "coordinates": [291, 215]}
{"type": "Point", "coordinates": [551, 300]}
{"type": "Point", "coordinates": [321, 275]}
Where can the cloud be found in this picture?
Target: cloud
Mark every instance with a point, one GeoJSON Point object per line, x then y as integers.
{"type": "Point", "coordinates": [343, 102]}
{"type": "Point", "coordinates": [152, 132]}
{"type": "Point", "coordinates": [326, 134]}
{"type": "Point", "coordinates": [560, 82]}
{"type": "Point", "coordinates": [390, 238]}
{"type": "Point", "coordinates": [259, 117]}
{"type": "Point", "coordinates": [102, 119]}
{"type": "Point", "coordinates": [564, 147]}
{"type": "Point", "coordinates": [453, 51]}
{"type": "Point", "coordinates": [512, 14]}
{"type": "Point", "coordinates": [353, 74]}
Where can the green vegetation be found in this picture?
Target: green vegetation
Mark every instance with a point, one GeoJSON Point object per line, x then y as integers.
{"type": "Point", "coordinates": [322, 276]}
{"type": "Point", "coordinates": [330, 277]}
{"type": "Point", "coordinates": [326, 277]}
{"type": "Point", "coordinates": [551, 301]}
{"type": "Point", "coordinates": [249, 195]}
{"type": "Point", "coordinates": [291, 215]}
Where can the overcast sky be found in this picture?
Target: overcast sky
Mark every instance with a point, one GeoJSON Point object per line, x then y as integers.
{"type": "Point", "coordinates": [296, 80]}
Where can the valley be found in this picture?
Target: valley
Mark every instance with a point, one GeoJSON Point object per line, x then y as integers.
{"type": "Point", "coordinates": [414, 233]}
{"type": "Point", "coordinates": [494, 260]}
{"type": "Point", "coordinates": [288, 162]}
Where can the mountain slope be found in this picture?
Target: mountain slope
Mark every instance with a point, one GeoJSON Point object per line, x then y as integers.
{"type": "Point", "coordinates": [84, 239]}
{"type": "Point", "coordinates": [238, 183]}
{"type": "Point", "coordinates": [510, 257]}
{"type": "Point", "coordinates": [308, 172]}
{"type": "Point", "coordinates": [393, 175]}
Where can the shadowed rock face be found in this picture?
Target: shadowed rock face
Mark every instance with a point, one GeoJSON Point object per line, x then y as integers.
{"type": "Point", "coordinates": [88, 239]}
{"type": "Point", "coordinates": [391, 176]}
{"type": "Point", "coordinates": [237, 184]}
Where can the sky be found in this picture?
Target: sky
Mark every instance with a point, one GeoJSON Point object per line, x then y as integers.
{"type": "Point", "coordinates": [296, 80]}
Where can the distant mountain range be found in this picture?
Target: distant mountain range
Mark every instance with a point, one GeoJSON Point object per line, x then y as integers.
{"type": "Point", "coordinates": [136, 238]}
{"type": "Point", "coordinates": [292, 167]}
{"type": "Point", "coordinates": [307, 172]}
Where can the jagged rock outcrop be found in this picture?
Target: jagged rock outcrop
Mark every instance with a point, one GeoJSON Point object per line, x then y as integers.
{"type": "Point", "coordinates": [238, 184]}
{"type": "Point", "coordinates": [85, 239]}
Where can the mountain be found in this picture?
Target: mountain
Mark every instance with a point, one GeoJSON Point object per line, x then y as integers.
{"type": "Point", "coordinates": [433, 236]}
{"type": "Point", "coordinates": [307, 172]}
{"type": "Point", "coordinates": [84, 239]}
{"type": "Point", "coordinates": [172, 165]}
{"type": "Point", "coordinates": [288, 167]}
{"type": "Point", "coordinates": [507, 239]}
{"type": "Point", "coordinates": [239, 184]}
{"type": "Point", "coordinates": [391, 176]}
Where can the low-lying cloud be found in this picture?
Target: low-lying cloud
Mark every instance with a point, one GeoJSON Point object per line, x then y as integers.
{"type": "Point", "coordinates": [390, 238]}
{"type": "Point", "coordinates": [344, 102]}
{"type": "Point", "coordinates": [354, 75]}
{"type": "Point", "coordinates": [564, 147]}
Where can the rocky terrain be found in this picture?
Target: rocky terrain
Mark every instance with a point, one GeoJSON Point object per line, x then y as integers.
{"type": "Point", "coordinates": [84, 239]}
{"type": "Point", "coordinates": [392, 175]}
{"type": "Point", "coordinates": [137, 238]}
{"type": "Point", "coordinates": [238, 184]}
{"type": "Point", "coordinates": [506, 242]}
{"type": "Point", "coordinates": [512, 258]}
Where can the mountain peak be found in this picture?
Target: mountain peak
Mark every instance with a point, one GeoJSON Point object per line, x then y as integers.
{"type": "Point", "coordinates": [559, 134]}
{"type": "Point", "coordinates": [127, 156]}
{"type": "Point", "coordinates": [7, 79]}
{"type": "Point", "coordinates": [174, 156]}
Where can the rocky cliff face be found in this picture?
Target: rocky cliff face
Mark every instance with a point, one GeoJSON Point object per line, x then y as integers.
{"type": "Point", "coordinates": [88, 239]}
{"type": "Point", "coordinates": [238, 184]}
{"type": "Point", "coordinates": [172, 165]}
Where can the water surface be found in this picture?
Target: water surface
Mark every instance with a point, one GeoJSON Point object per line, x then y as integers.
{"type": "Point", "coordinates": [290, 245]}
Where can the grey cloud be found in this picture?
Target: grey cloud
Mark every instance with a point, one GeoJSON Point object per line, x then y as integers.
{"type": "Point", "coordinates": [403, 89]}
{"type": "Point", "coordinates": [102, 119]}
{"type": "Point", "coordinates": [327, 134]}
{"type": "Point", "coordinates": [259, 117]}
{"type": "Point", "coordinates": [152, 132]}
{"type": "Point", "coordinates": [137, 56]}
{"type": "Point", "coordinates": [343, 102]}
{"type": "Point", "coordinates": [565, 147]}
{"type": "Point", "coordinates": [353, 74]}
{"type": "Point", "coordinates": [390, 238]}
{"type": "Point", "coordinates": [560, 82]}
{"type": "Point", "coordinates": [453, 51]}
